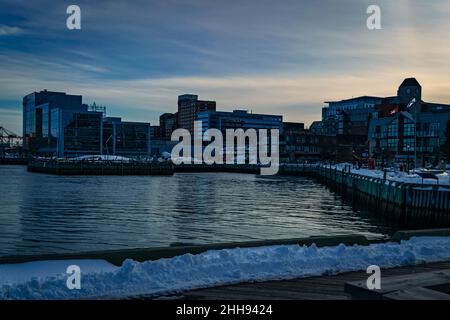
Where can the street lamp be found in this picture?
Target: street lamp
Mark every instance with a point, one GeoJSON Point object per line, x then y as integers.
{"type": "Point", "coordinates": [408, 150]}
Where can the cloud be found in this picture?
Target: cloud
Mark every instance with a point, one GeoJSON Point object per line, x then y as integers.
{"type": "Point", "coordinates": [283, 57]}
{"type": "Point", "coordinates": [9, 31]}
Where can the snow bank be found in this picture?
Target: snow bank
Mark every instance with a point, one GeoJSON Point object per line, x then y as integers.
{"type": "Point", "coordinates": [398, 176]}
{"type": "Point", "coordinates": [101, 158]}
{"type": "Point", "coordinates": [24, 272]}
{"type": "Point", "coordinates": [219, 267]}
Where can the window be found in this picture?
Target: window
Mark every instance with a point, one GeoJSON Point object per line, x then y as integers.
{"type": "Point", "coordinates": [434, 129]}
{"type": "Point", "coordinates": [408, 145]}
{"type": "Point", "coordinates": [54, 122]}
{"type": "Point", "coordinates": [45, 118]}
{"type": "Point", "coordinates": [408, 129]}
{"type": "Point", "coordinates": [392, 144]}
{"type": "Point", "coordinates": [393, 129]}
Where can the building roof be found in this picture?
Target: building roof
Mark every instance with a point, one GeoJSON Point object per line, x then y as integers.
{"type": "Point", "coordinates": [357, 98]}
{"type": "Point", "coordinates": [410, 82]}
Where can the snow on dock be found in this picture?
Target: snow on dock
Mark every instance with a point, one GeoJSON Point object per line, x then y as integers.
{"type": "Point", "coordinates": [213, 268]}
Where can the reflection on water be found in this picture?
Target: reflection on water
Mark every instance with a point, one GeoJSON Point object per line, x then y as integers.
{"type": "Point", "coordinates": [52, 214]}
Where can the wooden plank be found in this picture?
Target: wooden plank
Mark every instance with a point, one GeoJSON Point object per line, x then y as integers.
{"type": "Point", "coordinates": [359, 290]}
{"type": "Point", "coordinates": [417, 293]}
{"type": "Point", "coordinates": [318, 287]}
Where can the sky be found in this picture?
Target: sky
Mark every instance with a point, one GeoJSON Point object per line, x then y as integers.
{"type": "Point", "coordinates": [281, 57]}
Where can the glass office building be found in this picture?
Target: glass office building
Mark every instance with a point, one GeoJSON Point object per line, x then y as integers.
{"type": "Point", "coordinates": [130, 139]}
{"type": "Point", "coordinates": [58, 124]}
{"type": "Point", "coordinates": [238, 119]}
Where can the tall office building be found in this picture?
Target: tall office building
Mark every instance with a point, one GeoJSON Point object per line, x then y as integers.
{"type": "Point", "coordinates": [59, 124]}
{"type": "Point", "coordinates": [188, 108]}
{"type": "Point", "coordinates": [55, 123]}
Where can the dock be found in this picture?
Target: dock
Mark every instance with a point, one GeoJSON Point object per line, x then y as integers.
{"type": "Point", "coordinates": [412, 205]}
{"type": "Point", "coordinates": [81, 167]}
{"type": "Point", "coordinates": [14, 161]}
{"type": "Point", "coordinates": [331, 287]}
{"type": "Point", "coordinates": [419, 281]}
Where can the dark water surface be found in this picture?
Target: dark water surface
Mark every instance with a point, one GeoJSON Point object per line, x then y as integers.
{"type": "Point", "coordinates": [42, 213]}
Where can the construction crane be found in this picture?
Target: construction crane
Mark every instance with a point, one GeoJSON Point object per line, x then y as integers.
{"type": "Point", "coordinates": [9, 138]}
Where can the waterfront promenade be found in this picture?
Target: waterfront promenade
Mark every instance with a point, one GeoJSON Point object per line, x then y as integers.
{"type": "Point", "coordinates": [414, 265]}
{"type": "Point", "coordinates": [327, 287]}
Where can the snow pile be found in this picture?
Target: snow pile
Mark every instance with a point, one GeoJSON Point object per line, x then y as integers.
{"type": "Point", "coordinates": [101, 158]}
{"type": "Point", "coordinates": [219, 267]}
{"type": "Point", "coordinates": [23, 272]}
{"type": "Point", "coordinates": [397, 176]}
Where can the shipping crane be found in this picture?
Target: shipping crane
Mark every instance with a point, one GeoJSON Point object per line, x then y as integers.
{"type": "Point", "coordinates": [9, 138]}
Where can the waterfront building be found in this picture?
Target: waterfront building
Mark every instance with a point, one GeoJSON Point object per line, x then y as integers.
{"type": "Point", "coordinates": [298, 144]}
{"type": "Point", "coordinates": [188, 108]}
{"type": "Point", "coordinates": [156, 133]}
{"type": "Point", "coordinates": [335, 108]}
{"type": "Point", "coordinates": [408, 129]}
{"type": "Point", "coordinates": [59, 124]}
{"type": "Point", "coordinates": [410, 136]}
{"type": "Point", "coordinates": [344, 127]}
{"type": "Point", "coordinates": [125, 138]}
{"type": "Point", "coordinates": [353, 123]}
{"type": "Point", "coordinates": [238, 119]}
{"type": "Point", "coordinates": [168, 122]}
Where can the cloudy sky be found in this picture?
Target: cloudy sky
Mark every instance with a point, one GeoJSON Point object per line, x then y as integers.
{"type": "Point", "coordinates": [283, 57]}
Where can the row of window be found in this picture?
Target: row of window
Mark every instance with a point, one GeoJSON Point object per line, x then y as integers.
{"type": "Point", "coordinates": [392, 130]}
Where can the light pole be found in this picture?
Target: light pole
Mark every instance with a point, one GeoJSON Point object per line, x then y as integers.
{"type": "Point", "coordinates": [415, 137]}
{"type": "Point", "coordinates": [408, 150]}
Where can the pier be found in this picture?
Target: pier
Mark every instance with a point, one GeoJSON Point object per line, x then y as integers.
{"type": "Point", "coordinates": [409, 204]}
{"type": "Point", "coordinates": [71, 167]}
{"type": "Point", "coordinates": [333, 287]}
{"type": "Point", "coordinates": [16, 161]}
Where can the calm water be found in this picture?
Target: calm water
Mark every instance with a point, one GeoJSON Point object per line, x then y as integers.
{"type": "Point", "coordinates": [42, 213]}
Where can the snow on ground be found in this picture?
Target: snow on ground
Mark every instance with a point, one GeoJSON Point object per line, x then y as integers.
{"type": "Point", "coordinates": [24, 272]}
{"type": "Point", "coordinates": [101, 158]}
{"type": "Point", "coordinates": [220, 267]}
{"type": "Point", "coordinates": [398, 176]}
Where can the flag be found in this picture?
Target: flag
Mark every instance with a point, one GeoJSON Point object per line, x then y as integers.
{"type": "Point", "coordinates": [394, 110]}
{"type": "Point", "coordinates": [411, 103]}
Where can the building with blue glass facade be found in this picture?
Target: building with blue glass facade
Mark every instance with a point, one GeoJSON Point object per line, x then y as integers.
{"type": "Point", "coordinates": [124, 138]}
{"type": "Point", "coordinates": [59, 124]}
{"type": "Point", "coordinates": [238, 119]}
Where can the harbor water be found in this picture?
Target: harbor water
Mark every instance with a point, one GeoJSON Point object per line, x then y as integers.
{"type": "Point", "coordinates": [42, 213]}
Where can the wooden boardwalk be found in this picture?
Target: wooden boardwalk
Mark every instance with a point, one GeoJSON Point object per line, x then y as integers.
{"type": "Point", "coordinates": [313, 288]}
